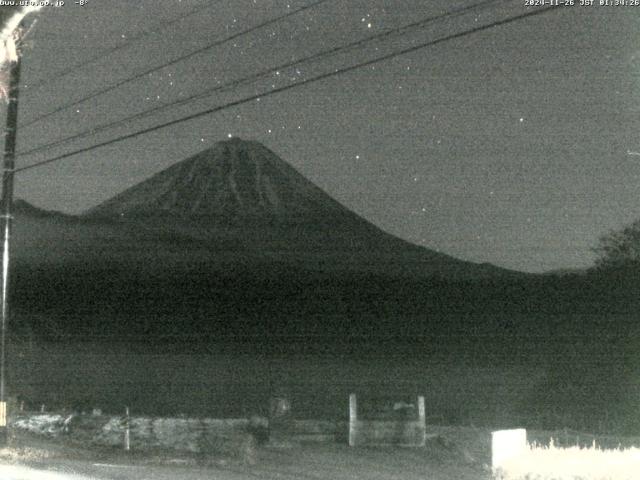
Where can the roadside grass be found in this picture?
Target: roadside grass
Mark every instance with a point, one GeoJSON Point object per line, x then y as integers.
{"type": "Point", "coordinates": [451, 452]}
{"type": "Point", "coordinates": [178, 440]}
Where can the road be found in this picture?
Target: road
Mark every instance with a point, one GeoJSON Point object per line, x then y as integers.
{"type": "Point", "coordinates": [312, 463]}
{"type": "Point", "coordinates": [75, 470]}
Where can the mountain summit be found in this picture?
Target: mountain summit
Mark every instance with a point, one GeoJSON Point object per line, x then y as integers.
{"type": "Point", "coordinates": [233, 181]}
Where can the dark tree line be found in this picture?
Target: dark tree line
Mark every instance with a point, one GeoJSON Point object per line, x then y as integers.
{"type": "Point", "coordinates": [619, 248]}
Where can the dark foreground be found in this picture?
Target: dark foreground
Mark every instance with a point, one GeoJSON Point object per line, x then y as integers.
{"type": "Point", "coordinates": [588, 384]}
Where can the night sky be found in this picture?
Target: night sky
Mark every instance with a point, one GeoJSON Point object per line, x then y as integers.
{"type": "Point", "coordinates": [518, 145]}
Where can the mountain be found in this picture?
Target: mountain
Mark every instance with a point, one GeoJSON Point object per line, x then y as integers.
{"type": "Point", "coordinates": [236, 181]}
{"type": "Point", "coordinates": [241, 198]}
{"type": "Point", "coordinates": [220, 242]}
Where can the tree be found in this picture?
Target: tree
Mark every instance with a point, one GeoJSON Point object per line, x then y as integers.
{"type": "Point", "coordinates": [619, 248]}
{"type": "Point", "coordinates": [12, 33]}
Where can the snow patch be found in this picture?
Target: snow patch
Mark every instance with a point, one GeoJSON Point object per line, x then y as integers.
{"type": "Point", "coordinates": [44, 424]}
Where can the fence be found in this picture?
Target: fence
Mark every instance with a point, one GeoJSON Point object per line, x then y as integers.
{"type": "Point", "coordinates": [403, 429]}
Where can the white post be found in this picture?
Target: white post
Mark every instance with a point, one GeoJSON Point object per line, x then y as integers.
{"type": "Point", "coordinates": [422, 418]}
{"type": "Point", "coordinates": [506, 445]}
{"type": "Point", "coordinates": [422, 413]}
{"type": "Point", "coordinates": [127, 431]}
{"type": "Point", "coordinates": [353, 419]}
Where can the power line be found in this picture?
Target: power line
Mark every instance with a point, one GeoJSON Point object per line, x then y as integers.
{"type": "Point", "coordinates": [67, 71]}
{"type": "Point", "coordinates": [288, 87]}
{"type": "Point", "coordinates": [172, 62]}
{"type": "Point", "coordinates": [261, 74]}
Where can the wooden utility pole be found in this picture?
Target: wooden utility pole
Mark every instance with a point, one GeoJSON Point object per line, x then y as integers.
{"type": "Point", "coordinates": [6, 205]}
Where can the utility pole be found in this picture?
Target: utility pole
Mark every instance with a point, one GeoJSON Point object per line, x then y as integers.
{"type": "Point", "coordinates": [6, 216]}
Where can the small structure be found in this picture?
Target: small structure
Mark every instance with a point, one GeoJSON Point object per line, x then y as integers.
{"type": "Point", "coordinates": [402, 428]}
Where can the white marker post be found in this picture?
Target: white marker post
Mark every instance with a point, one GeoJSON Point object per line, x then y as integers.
{"type": "Point", "coordinates": [127, 430]}
{"type": "Point", "coordinates": [353, 419]}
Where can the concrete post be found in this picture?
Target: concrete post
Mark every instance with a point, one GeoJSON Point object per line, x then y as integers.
{"type": "Point", "coordinates": [422, 414]}
{"type": "Point", "coordinates": [127, 430]}
{"type": "Point", "coordinates": [422, 418]}
{"type": "Point", "coordinates": [353, 419]}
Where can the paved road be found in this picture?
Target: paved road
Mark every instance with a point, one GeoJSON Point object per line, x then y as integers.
{"type": "Point", "coordinates": [112, 471]}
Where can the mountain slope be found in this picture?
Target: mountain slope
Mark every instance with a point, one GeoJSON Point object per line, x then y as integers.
{"type": "Point", "coordinates": [240, 198]}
